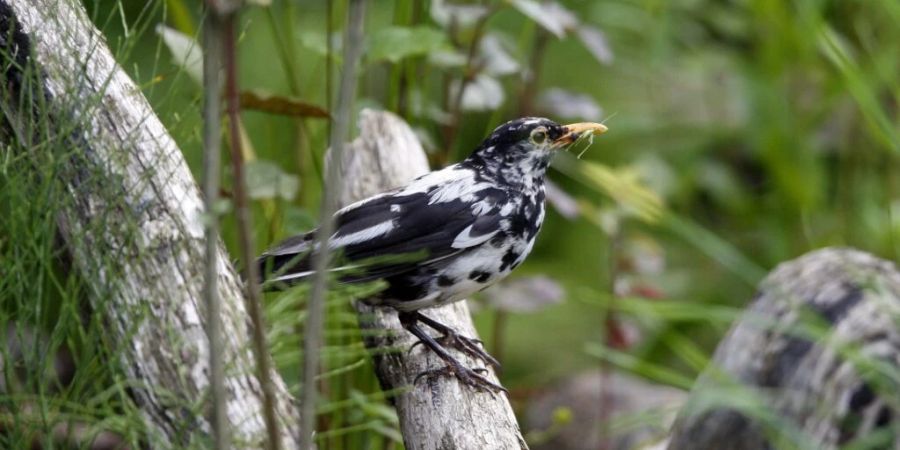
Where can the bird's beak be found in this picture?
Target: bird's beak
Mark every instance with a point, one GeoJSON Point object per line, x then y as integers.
{"type": "Point", "coordinates": [576, 130]}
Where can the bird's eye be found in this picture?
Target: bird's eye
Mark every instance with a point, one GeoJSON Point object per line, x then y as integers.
{"type": "Point", "coordinates": [538, 136]}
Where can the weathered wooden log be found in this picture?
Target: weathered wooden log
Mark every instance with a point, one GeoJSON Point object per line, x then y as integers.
{"type": "Point", "coordinates": [439, 413]}
{"type": "Point", "coordinates": [814, 362]}
{"type": "Point", "coordinates": [133, 226]}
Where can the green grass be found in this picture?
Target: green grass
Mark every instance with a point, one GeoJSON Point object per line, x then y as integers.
{"type": "Point", "coordinates": [45, 313]}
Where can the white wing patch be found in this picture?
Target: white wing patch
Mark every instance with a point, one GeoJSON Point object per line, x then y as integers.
{"type": "Point", "coordinates": [306, 273]}
{"type": "Point", "coordinates": [293, 249]}
{"type": "Point", "coordinates": [482, 207]}
{"type": "Point", "coordinates": [362, 235]}
{"type": "Point", "coordinates": [291, 276]}
{"type": "Point", "coordinates": [430, 180]}
{"type": "Point", "coordinates": [465, 239]}
{"type": "Point", "coordinates": [461, 189]}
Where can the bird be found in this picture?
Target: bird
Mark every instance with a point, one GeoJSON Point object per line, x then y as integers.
{"type": "Point", "coordinates": [444, 236]}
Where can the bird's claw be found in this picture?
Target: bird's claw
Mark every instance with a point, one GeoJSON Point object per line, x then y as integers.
{"type": "Point", "coordinates": [449, 338]}
{"type": "Point", "coordinates": [465, 375]}
{"type": "Point", "coordinates": [469, 346]}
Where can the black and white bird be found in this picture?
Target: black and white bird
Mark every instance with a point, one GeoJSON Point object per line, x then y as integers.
{"type": "Point", "coordinates": [446, 235]}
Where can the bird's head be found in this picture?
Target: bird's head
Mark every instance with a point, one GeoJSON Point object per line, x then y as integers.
{"type": "Point", "coordinates": [524, 147]}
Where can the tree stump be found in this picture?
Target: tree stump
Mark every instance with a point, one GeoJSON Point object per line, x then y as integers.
{"type": "Point", "coordinates": [813, 363]}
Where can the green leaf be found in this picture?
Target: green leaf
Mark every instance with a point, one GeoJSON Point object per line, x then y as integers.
{"type": "Point", "coordinates": [318, 43]}
{"type": "Point", "coordinates": [715, 247]}
{"type": "Point", "coordinates": [484, 93]}
{"type": "Point", "coordinates": [624, 186]}
{"type": "Point", "coordinates": [544, 15]}
{"type": "Point", "coordinates": [635, 198]}
{"type": "Point", "coordinates": [563, 103]}
{"type": "Point", "coordinates": [186, 52]}
{"type": "Point", "coordinates": [458, 14]}
{"type": "Point", "coordinates": [595, 42]}
{"type": "Point", "coordinates": [837, 50]}
{"type": "Point", "coordinates": [375, 410]}
{"type": "Point", "coordinates": [265, 180]}
{"type": "Point", "coordinates": [395, 43]}
{"type": "Point", "coordinates": [298, 220]}
{"type": "Point", "coordinates": [643, 368]}
{"type": "Point", "coordinates": [388, 432]}
{"type": "Point", "coordinates": [259, 100]}
{"type": "Point", "coordinates": [494, 56]}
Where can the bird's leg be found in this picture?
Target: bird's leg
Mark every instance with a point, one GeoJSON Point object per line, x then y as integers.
{"type": "Point", "coordinates": [464, 374]}
{"type": "Point", "coordinates": [451, 338]}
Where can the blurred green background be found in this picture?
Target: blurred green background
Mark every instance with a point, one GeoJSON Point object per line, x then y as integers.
{"type": "Point", "coordinates": [743, 133]}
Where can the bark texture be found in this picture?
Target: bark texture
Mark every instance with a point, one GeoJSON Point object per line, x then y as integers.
{"type": "Point", "coordinates": [815, 361]}
{"type": "Point", "coordinates": [134, 223]}
{"type": "Point", "coordinates": [441, 413]}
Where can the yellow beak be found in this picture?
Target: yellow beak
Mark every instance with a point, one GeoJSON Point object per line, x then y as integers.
{"type": "Point", "coordinates": [576, 130]}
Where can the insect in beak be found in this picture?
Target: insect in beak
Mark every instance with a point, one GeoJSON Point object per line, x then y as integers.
{"type": "Point", "coordinates": [576, 130]}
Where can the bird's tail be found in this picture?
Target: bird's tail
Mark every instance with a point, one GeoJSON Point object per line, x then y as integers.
{"type": "Point", "coordinates": [291, 262]}
{"type": "Point", "coordinates": [288, 262]}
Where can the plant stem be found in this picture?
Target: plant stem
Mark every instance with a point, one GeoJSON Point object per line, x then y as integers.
{"type": "Point", "coordinates": [451, 132]}
{"type": "Point", "coordinates": [286, 53]}
{"type": "Point", "coordinates": [245, 235]}
{"type": "Point", "coordinates": [606, 389]}
{"type": "Point", "coordinates": [212, 143]}
{"type": "Point", "coordinates": [530, 84]}
{"type": "Point", "coordinates": [315, 313]}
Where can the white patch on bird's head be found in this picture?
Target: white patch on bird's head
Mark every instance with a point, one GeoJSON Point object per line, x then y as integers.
{"type": "Point", "coordinates": [518, 151]}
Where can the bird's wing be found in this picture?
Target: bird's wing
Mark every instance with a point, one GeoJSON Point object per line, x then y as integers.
{"type": "Point", "coordinates": [432, 219]}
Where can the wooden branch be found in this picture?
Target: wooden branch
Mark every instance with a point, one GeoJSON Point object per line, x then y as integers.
{"type": "Point", "coordinates": [815, 361]}
{"type": "Point", "coordinates": [442, 413]}
{"type": "Point", "coordinates": [133, 226]}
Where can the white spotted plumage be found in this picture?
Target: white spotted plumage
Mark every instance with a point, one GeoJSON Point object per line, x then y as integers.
{"type": "Point", "coordinates": [444, 236]}
{"type": "Point", "coordinates": [474, 222]}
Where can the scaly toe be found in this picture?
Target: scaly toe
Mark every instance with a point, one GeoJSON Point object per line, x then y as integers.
{"type": "Point", "coordinates": [470, 347]}
{"type": "Point", "coordinates": [466, 376]}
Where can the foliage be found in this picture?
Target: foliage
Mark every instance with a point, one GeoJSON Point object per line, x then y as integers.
{"type": "Point", "coordinates": [60, 383]}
